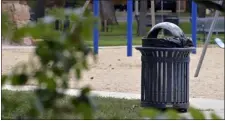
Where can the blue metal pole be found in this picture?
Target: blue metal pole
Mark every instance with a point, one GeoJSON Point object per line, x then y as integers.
{"type": "Point", "coordinates": [95, 30]}
{"type": "Point", "coordinates": [129, 26]}
{"type": "Point", "coordinates": [194, 25]}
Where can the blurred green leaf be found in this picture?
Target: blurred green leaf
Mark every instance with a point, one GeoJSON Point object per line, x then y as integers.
{"type": "Point", "coordinates": [85, 110]}
{"type": "Point", "coordinates": [196, 114]}
{"type": "Point", "coordinates": [8, 26]}
{"type": "Point", "coordinates": [58, 54]}
{"type": "Point", "coordinates": [85, 64]}
{"type": "Point", "coordinates": [149, 113]}
{"type": "Point", "coordinates": [173, 115]}
{"type": "Point", "coordinates": [87, 32]}
{"type": "Point", "coordinates": [78, 73]}
{"type": "Point", "coordinates": [19, 34]}
{"type": "Point", "coordinates": [85, 90]}
{"type": "Point", "coordinates": [74, 18]}
{"type": "Point", "coordinates": [42, 50]}
{"type": "Point", "coordinates": [51, 84]}
{"type": "Point", "coordinates": [40, 76]}
{"type": "Point", "coordinates": [19, 79]}
{"type": "Point", "coordinates": [47, 97]}
{"type": "Point", "coordinates": [57, 71]}
{"type": "Point", "coordinates": [215, 117]}
{"type": "Point", "coordinates": [4, 78]}
{"type": "Point", "coordinates": [84, 104]}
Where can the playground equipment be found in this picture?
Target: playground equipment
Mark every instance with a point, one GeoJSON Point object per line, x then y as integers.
{"type": "Point", "coordinates": [203, 26]}
{"type": "Point", "coordinates": [207, 42]}
{"type": "Point", "coordinates": [194, 24]}
{"type": "Point", "coordinates": [153, 19]}
{"type": "Point", "coordinates": [219, 42]}
{"type": "Point", "coordinates": [129, 23]}
{"type": "Point", "coordinates": [95, 31]}
{"type": "Point", "coordinates": [129, 26]}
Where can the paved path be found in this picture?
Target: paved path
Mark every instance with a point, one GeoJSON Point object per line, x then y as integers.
{"type": "Point", "coordinates": [206, 105]}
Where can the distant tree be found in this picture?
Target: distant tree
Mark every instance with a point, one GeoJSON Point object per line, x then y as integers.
{"type": "Point", "coordinates": [39, 9]}
{"type": "Point", "coordinates": [143, 11]}
{"type": "Point", "coordinates": [107, 11]}
{"type": "Point", "coordinates": [107, 14]}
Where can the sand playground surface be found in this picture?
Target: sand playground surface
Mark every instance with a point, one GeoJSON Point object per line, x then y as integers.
{"type": "Point", "coordinates": [116, 72]}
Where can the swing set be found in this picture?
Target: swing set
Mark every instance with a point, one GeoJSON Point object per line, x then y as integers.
{"type": "Point", "coordinates": [130, 22]}
{"type": "Point", "coordinates": [129, 30]}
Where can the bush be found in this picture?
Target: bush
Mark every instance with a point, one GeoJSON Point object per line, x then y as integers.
{"type": "Point", "coordinates": [58, 55]}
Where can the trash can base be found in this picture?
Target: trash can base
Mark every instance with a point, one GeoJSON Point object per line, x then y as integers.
{"type": "Point", "coordinates": [179, 107]}
{"type": "Point", "coordinates": [182, 110]}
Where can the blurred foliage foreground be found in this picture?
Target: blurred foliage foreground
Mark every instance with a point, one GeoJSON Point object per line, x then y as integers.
{"type": "Point", "coordinates": [60, 54]}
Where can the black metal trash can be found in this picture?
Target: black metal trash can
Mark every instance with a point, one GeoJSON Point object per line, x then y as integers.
{"type": "Point", "coordinates": [165, 73]}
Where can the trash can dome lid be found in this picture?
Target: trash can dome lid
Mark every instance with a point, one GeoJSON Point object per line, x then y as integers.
{"type": "Point", "coordinates": [171, 27]}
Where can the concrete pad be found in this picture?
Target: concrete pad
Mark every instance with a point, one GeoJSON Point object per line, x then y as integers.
{"type": "Point", "coordinates": [206, 113]}
{"type": "Point", "coordinates": [207, 103]}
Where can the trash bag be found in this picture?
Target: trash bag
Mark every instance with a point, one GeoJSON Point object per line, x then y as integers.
{"type": "Point", "coordinates": [177, 41]}
{"type": "Point", "coordinates": [171, 42]}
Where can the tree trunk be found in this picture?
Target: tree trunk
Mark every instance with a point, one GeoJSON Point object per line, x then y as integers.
{"type": "Point", "coordinates": [39, 9]}
{"type": "Point", "coordinates": [107, 14]}
{"type": "Point", "coordinates": [142, 20]}
{"type": "Point", "coordinates": [55, 3]}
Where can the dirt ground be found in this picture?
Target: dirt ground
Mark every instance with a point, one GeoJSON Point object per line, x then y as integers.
{"type": "Point", "coordinates": [118, 73]}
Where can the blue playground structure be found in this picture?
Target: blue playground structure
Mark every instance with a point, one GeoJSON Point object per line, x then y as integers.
{"type": "Point", "coordinates": [129, 26]}
{"type": "Point", "coordinates": [96, 32]}
{"type": "Point", "coordinates": [194, 25]}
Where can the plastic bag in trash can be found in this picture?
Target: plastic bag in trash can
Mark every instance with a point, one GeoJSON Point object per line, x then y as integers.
{"type": "Point", "coordinates": [172, 42]}
{"type": "Point", "coordinates": [178, 40]}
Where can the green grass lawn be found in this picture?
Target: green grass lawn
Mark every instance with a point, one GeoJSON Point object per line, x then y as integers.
{"type": "Point", "coordinates": [115, 41]}
{"type": "Point", "coordinates": [118, 35]}
{"type": "Point", "coordinates": [107, 108]}
{"type": "Point", "coordinates": [122, 40]}
{"type": "Point", "coordinates": [121, 29]}
{"type": "Point", "coordinates": [19, 104]}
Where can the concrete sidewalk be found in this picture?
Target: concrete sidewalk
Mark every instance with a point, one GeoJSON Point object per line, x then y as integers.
{"type": "Point", "coordinates": [206, 105]}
